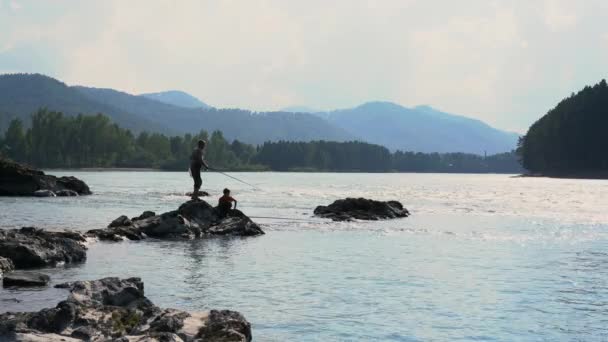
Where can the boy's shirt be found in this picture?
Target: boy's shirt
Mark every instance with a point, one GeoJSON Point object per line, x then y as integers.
{"type": "Point", "coordinates": [226, 199]}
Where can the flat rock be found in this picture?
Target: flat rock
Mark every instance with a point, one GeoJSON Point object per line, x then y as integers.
{"type": "Point", "coordinates": [20, 278]}
{"type": "Point", "coordinates": [117, 310]}
{"type": "Point", "coordinates": [19, 180]}
{"type": "Point", "coordinates": [31, 247]}
{"type": "Point", "coordinates": [193, 219]}
{"type": "Point", "coordinates": [361, 209]}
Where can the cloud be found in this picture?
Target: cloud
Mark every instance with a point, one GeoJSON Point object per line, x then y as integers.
{"type": "Point", "coordinates": [504, 62]}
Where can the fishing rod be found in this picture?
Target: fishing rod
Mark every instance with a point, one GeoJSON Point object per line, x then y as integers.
{"type": "Point", "coordinates": [236, 179]}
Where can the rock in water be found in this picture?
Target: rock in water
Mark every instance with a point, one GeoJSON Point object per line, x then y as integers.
{"type": "Point", "coordinates": [120, 221]}
{"type": "Point", "coordinates": [361, 209]}
{"type": "Point", "coordinates": [6, 265]}
{"type": "Point", "coordinates": [44, 193]}
{"type": "Point", "coordinates": [199, 193]}
{"type": "Point", "coordinates": [20, 278]}
{"type": "Point", "coordinates": [117, 310]}
{"type": "Point", "coordinates": [66, 193]}
{"type": "Point", "coordinates": [193, 219]}
{"type": "Point", "coordinates": [32, 247]}
{"type": "Point", "coordinates": [19, 180]}
{"type": "Point", "coordinates": [146, 214]}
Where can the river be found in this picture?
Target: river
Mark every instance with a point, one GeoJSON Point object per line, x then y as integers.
{"type": "Point", "coordinates": [483, 257]}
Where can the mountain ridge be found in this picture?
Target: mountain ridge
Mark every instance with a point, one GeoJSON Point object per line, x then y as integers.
{"type": "Point", "coordinates": [177, 98]}
{"type": "Point", "coordinates": [418, 129]}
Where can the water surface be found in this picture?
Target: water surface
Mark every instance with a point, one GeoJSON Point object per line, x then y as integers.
{"type": "Point", "coordinates": [483, 257]}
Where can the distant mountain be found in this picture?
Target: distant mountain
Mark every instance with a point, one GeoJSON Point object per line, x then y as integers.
{"type": "Point", "coordinates": [299, 109]}
{"type": "Point", "coordinates": [420, 129]}
{"type": "Point", "coordinates": [177, 98]}
{"type": "Point", "coordinates": [23, 94]}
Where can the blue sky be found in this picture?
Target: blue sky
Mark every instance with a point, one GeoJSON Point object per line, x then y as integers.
{"type": "Point", "coordinates": [504, 62]}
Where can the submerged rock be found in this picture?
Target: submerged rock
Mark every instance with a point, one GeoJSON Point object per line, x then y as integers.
{"type": "Point", "coordinates": [66, 193]}
{"type": "Point", "coordinates": [20, 180]}
{"type": "Point", "coordinates": [20, 278]}
{"type": "Point", "coordinates": [198, 193]}
{"type": "Point", "coordinates": [30, 247]}
{"type": "Point", "coordinates": [361, 209]}
{"type": "Point", "coordinates": [193, 219]}
{"type": "Point", "coordinates": [113, 309]}
{"type": "Point", "coordinates": [44, 193]}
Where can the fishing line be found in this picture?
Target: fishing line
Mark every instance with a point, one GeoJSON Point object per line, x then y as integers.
{"type": "Point", "coordinates": [282, 218]}
{"type": "Point", "coordinates": [236, 179]}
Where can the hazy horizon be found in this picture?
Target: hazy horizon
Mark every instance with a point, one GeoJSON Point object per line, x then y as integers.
{"type": "Point", "coordinates": [503, 63]}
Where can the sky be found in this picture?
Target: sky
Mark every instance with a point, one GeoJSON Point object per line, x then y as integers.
{"type": "Point", "coordinates": [504, 62]}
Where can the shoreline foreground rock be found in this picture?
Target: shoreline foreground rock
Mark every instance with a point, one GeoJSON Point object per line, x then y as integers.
{"type": "Point", "coordinates": [31, 247]}
{"type": "Point", "coordinates": [20, 180]}
{"type": "Point", "coordinates": [193, 219]}
{"type": "Point", "coordinates": [361, 209]}
{"type": "Point", "coordinates": [113, 309]}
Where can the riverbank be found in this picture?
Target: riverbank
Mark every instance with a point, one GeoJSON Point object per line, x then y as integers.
{"type": "Point", "coordinates": [598, 175]}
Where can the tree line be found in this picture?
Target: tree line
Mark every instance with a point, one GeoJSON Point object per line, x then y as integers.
{"type": "Point", "coordinates": [571, 138]}
{"type": "Point", "coordinates": [55, 140]}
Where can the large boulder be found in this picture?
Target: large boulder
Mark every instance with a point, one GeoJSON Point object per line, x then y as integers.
{"type": "Point", "coordinates": [116, 309]}
{"type": "Point", "coordinates": [30, 247]}
{"type": "Point", "coordinates": [361, 209]}
{"type": "Point", "coordinates": [20, 180]}
{"type": "Point", "coordinates": [193, 219]}
{"type": "Point", "coordinates": [21, 279]}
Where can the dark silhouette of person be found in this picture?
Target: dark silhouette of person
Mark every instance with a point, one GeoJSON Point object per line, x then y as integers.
{"type": "Point", "coordinates": [224, 204]}
{"type": "Point", "coordinates": [197, 162]}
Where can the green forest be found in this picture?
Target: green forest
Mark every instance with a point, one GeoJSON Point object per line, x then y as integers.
{"type": "Point", "coordinates": [55, 140]}
{"type": "Point", "coordinates": [571, 138]}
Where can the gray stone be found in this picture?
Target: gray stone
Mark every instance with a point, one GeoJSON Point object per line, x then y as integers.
{"type": "Point", "coordinates": [31, 247]}
{"type": "Point", "coordinates": [146, 214]}
{"type": "Point", "coordinates": [117, 310]}
{"type": "Point", "coordinates": [193, 219]}
{"type": "Point", "coordinates": [66, 193]}
{"type": "Point", "coordinates": [120, 221]}
{"type": "Point", "coordinates": [19, 180]}
{"type": "Point", "coordinates": [44, 193]}
{"type": "Point", "coordinates": [6, 266]}
{"type": "Point", "coordinates": [20, 278]}
{"type": "Point", "coordinates": [361, 209]}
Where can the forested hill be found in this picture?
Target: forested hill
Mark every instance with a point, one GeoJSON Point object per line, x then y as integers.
{"type": "Point", "coordinates": [23, 94]}
{"type": "Point", "coordinates": [422, 129]}
{"type": "Point", "coordinates": [570, 140]}
{"type": "Point", "coordinates": [94, 141]}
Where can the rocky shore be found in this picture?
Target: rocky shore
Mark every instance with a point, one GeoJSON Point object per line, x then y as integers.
{"type": "Point", "coordinates": [113, 309]}
{"type": "Point", "coordinates": [20, 180]}
{"type": "Point", "coordinates": [361, 209]}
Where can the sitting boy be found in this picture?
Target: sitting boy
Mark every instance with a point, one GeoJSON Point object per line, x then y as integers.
{"type": "Point", "coordinates": [224, 204]}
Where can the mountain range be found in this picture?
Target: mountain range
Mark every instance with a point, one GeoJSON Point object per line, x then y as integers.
{"type": "Point", "coordinates": [421, 129]}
